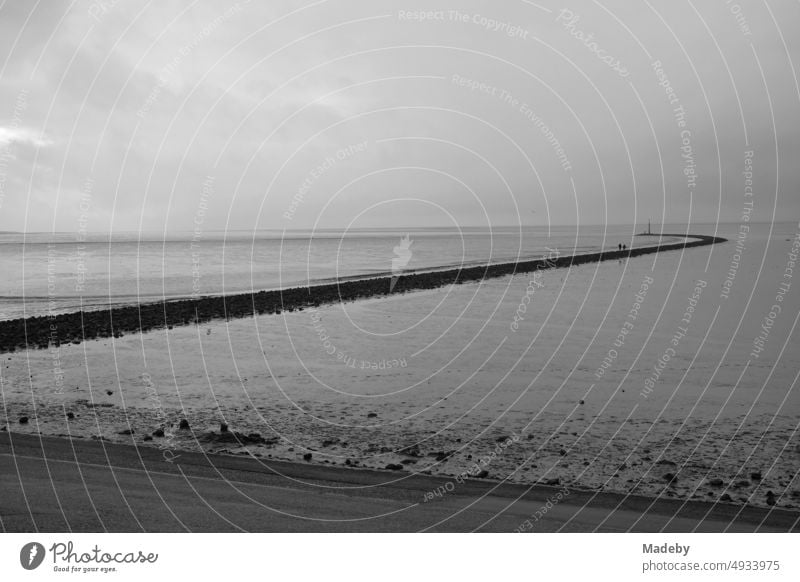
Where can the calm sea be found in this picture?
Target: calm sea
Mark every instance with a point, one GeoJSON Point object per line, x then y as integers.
{"type": "Point", "coordinates": [47, 273]}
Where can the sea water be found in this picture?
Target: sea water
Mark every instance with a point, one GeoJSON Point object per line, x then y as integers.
{"type": "Point", "coordinates": [48, 273]}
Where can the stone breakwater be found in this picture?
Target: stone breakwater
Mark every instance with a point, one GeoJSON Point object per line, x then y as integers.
{"type": "Point", "coordinates": [41, 332]}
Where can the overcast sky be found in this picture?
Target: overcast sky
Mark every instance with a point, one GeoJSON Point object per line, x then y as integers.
{"type": "Point", "coordinates": [126, 116]}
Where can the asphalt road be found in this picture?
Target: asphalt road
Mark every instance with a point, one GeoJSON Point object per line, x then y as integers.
{"type": "Point", "coordinates": [59, 485]}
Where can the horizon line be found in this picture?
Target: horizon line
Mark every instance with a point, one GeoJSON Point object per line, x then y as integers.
{"type": "Point", "coordinates": [405, 227]}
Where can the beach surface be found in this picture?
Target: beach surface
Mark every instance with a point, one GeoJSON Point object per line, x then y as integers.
{"type": "Point", "coordinates": [56, 484]}
{"type": "Point", "coordinates": [526, 379]}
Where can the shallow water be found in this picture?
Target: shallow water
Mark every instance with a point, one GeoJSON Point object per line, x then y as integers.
{"type": "Point", "coordinates": [55, 273]}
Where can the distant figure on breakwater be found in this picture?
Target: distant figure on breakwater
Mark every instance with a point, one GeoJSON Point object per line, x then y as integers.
{"type": "Point", "coordinates": [624, 247]}
{"type": "Point", "coordinates": [620, 246]}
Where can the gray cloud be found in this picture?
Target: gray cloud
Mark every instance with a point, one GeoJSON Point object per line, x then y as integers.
{"type": "Point", "coordinates": [457, 107]}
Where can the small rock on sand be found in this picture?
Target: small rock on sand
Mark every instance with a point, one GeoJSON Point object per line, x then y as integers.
{"type": "Point", "coordinates": [716, 482]}
{"type": "Point", "coordinates": [159, 432]}
{"type": "Point", "coordinates": [307, 457]}
{"type": "Point", "coordinates": [410, 451]}
{"type": "Point", "coordinates": [770, 498]}
{"type": "Point", "coordinates": [755, 475]}
{"type": "Point", "coordinates": [70, 415]}
{"type": "Point", "coordinates": [184, 424]}
{"type": "Point", "coordinates": [223, 427]}
{"type": "Point", "coordinates": [372, 415]}
{"type": "Point", "coordinates": [394, 467]}
{"type": "Point", "coordinates": [725, 497]}
{"type": "Point", "coordinates": [126, 432]}
{"type": "Point", "coordinates": [23, 420]}
{"type": "Point", "coordinates": [670, 478]}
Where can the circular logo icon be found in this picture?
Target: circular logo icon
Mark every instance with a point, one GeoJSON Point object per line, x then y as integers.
{"type": "Point", "coordinates": [31, 555]}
